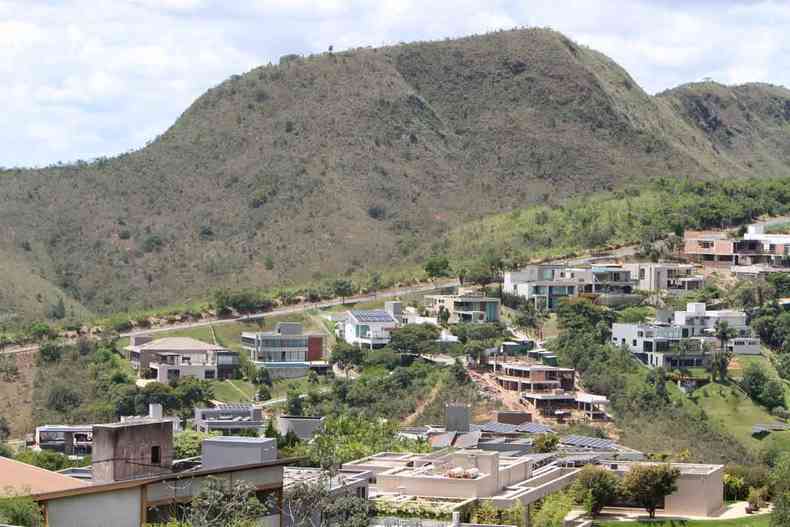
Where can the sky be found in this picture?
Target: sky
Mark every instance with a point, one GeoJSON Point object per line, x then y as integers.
{"type": "Point", "coordinates": [86, 78]}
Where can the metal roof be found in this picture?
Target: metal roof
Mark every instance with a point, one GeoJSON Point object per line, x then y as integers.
{"type": "Point", "coordinates": [534, 428]}
{"type": "Point", "coordinates": [588, 442]}
{"type": "Point", "coordinates": [493, 427]}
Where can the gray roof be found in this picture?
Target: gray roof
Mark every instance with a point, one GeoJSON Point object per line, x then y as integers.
{"type": "Point", "coordinates": [588, 442]}
{"type": "Point", "coordinates": [505, 428]}
{"type": "Point", "coordinates": [372, 315]}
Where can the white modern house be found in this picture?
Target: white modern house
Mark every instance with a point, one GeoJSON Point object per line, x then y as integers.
{"type": "Point", "coordinates": [658, 343]}
{"type": "Point", "coordinates": [369, 328]}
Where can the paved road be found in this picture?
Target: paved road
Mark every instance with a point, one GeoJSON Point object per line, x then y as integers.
{"type": "Point", "coordinates": [298, 308]}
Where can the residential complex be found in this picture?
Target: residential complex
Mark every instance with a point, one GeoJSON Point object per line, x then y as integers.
{"type": "Point", "coordinates": [287, 351]}
{"type": "Point", "coordinates": [546, 285]}
{"type": "Point", "coordinates": [464, 307]}
{"type": "Point", "coordinates": [447, 482]}
{"type": "Point", "coordinates": [170, 358]}
{"type": "Point", "coordinates": [755, 247]}
{"type": "Point", "coordinates": [674, 278]}
{"type": "Point", "coordinates": [369, 328]}
{"type": "Point", "coordinates": [658, 343]}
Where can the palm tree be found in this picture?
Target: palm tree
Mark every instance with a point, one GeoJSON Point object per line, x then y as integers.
{"type": "Point", "coordinates": [721, 360]}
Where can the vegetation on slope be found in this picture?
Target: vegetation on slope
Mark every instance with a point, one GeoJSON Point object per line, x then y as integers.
{"type": "Point", "coordinates": [357, 159]}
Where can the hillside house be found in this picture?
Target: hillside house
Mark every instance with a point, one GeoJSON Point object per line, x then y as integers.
{"type": "Point", "coordinates": [171, 358]}
{"type": "Point", "coordinates": [658, 344]}
{"type": "Point", "coordinates": [755, 247]}
{"type": "Point", "coordinates": [229, 419]}
{"type": "Point", "coordinates": [672, 278]}
{"type": "Point", "coordinates": [369, 328]}
{"type": "Point", "coordinates": [287, 352]}
{"type": "Point", "coordinates": [465, 307]}
{"type": "Point", "coordinates": [547, 285]}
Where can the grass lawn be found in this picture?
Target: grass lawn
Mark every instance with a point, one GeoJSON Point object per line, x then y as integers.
{"type": "Point", "coordinates": [234, 391]}
{"type": "Point", "coordinates": [762, 520]}
{"type": "Point", "coordinates": [737, 413]}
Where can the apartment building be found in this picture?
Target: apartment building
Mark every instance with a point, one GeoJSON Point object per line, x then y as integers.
{"type": "Point", "coordinates": [287, 352]}
{"type": "Point", "coordinates": [658, 343]}
{"type": "Point", "coordinates": [673, 278]}
{"type": "Point", "coordinates": [369, 328]}
{"type": "Point", "coordinates": [464, 307]}
{"type": "Point", "coordinates": [171, 358]}
{"type": "Point", "coordinates": [547, 285]}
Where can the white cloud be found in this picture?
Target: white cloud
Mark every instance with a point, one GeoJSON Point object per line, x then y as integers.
{"type": "Point", "coordinates": [82, 78]}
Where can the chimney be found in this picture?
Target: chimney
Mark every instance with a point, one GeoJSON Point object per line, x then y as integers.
{"type": "Point", "coordinates": [154, 410]}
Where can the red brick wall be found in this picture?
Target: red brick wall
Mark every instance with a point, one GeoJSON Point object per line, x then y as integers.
{"type": "Point", "coordinates": [315, 348]}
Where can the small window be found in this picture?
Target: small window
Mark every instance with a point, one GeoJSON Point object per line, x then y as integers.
{"type": "Point", "coordinates": [210, 374]}
{"type": "Point", "coordinates": [156, 455]}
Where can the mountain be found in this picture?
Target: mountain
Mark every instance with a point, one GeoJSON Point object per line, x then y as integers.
{"type": "Point", "coordinates": [346, 161]}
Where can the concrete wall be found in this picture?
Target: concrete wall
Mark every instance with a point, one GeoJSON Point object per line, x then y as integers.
{"type": "Point", "coordinates": [124, 452]}
{"type": "Point", "coordinates": [119, 508]}
{"type": "Point", "coordinates": [697, 495]}
{"type": "Point", "coordinates": [222, 452]}
{"type": "Point", "coordinates": [304, 428]}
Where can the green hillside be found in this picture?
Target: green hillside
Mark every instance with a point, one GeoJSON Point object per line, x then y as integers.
{"type": "Point", "coordinates": [343, 162]}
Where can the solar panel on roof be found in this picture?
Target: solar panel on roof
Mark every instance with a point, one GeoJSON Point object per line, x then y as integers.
{"type": "Point", "coordinates": [533, 428]}
{"type": "Point", "coordinates": [375, 315]}
{"type": "Point", "coordinates": [587, 442]}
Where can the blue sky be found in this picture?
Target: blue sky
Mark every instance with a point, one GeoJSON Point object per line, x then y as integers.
{"type": "Point", "coordinates": [84, 78]}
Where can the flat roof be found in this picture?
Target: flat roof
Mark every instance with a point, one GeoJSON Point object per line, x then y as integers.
{"type": "Point", "coordinates": [18, 477]}
{"type": "Point", "coordinates": [177, 344]}
{"type": "Point", "coordinates": [119, 485]}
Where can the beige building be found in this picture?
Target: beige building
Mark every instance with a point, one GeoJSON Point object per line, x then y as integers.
{"type": "Point", "coordinates": [454, 481]}
{"type": "Point", "coordinates": [171, 358]}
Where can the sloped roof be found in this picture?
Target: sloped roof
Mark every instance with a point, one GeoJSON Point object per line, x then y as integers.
{"type": "Point", "coordinates": [21, 478]}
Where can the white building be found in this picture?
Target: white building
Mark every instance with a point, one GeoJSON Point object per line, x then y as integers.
{"type": "Point", "coordinates": [369, 328]}
{"type": "Point", "coordinates": [657, 343]}
{"type": "Point", "coordinates": [674, 278]}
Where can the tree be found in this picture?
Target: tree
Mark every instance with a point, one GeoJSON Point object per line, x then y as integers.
{"type": "Point", "coordinates": [724, 332]}
{"type": "Point", "coordinates": [50, 352]}
{"type": "Point", "coordinates": [226, 504]}
{"type": "Point", "coordinates": [437, 266]}
{"type": "Point", "coordinates": [346, 356]}
{"type": "Point", "coordinates": [63, 397]}
{"type": "Point", "coordinates": [294, 404]}
{"type": "Point", "coordinates": [414, 338]}
{"type": "Point", "coordinates": [780, 517]}
{"type": "Point", "coordinates": [343, 288]}
{"type": "Point", "coordinates": [530, 317]}
{"type": "Point", "coordinates": [263, 377]}
{"type": "Point", "coordinates": [189, 443]}
{"type": "Point", "coordinates": [779, 478]}
{"type": "Point", "coordinates": [312, 503]}
{"type": "Point", "coordinates": [649, 485]}
{"type": "Point", "coordinates": [57, 310]}
{"type": "Point", "coordinates": [595, 487]}
{"type": "Point", "coordinates": [553, 510]}
{"type": "Point", "coordinates": [191, 392]}
{"type": "Point", "coordinates": [459, 373]}
{"type": "Point", "coordinates": [5, 428]}
{"type": "Point", "coordinates": [772, 394]}
{"type": "Point", "coordinates": [20, 510]}
{"type": "Point", "coordinates": [544, 443]}
{"type": "Point", "coordinates": [264, 393]}
{"type": "Point", "coordinates": [46, 459]}
{"type": "Point", "coordinates": [444, 316]}
{"type": "Point", "coordinates": [633, 315]}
